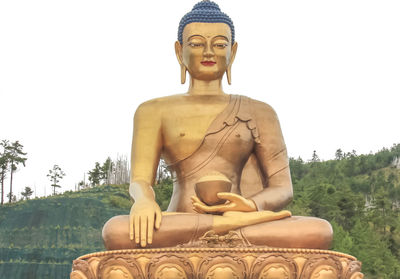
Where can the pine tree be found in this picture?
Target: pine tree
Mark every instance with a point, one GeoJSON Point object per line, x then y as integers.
{"type": "Point", "coordinates": [315, 157]}
{"type": "Point", "coordinates": [95, 175]}
{"type": "Point", "coordinates": [15, 154]}
{"type": "Point", "coordinates": [12, 198]}
{"type": "Point", "coordinates": [27, 193]}
{"type": "Point", "coordinates": [4, 165]}
{"type": "Point", "coordinates": [106, 170]}
{"type": "Point", "coordinates": [55, 175]}
{"type": "Point", "coordinates": [339, 154]}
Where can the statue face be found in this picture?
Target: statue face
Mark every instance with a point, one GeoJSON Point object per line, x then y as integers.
{"type": "Point", "coordinates": [206, 50]}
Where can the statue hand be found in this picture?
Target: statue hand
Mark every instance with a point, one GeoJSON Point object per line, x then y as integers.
{"type": "Point", "coordinates": [145, 215]}
{"type": "Point", "coordinates": [234, 202]}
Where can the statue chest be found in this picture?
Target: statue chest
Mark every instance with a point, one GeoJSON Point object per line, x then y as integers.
{"type": "Point", "coordinates": [184, 128]}
{"type": "Point", "coordinates": [232, 144]}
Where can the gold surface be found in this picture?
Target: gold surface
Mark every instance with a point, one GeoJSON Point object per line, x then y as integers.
{"type": "Point", "coordinates": [256, 250]}
{"type": "Point", "coordinates": [202, 132]}
{"type": "Point", "coordinates": [208, 187]}
{"type": "Point", "coordinates": [232, 180]}
{"type": "Point", "coordinates": [218, 263]}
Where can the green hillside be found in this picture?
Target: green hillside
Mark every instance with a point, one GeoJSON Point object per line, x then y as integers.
{"type": "Point", "coordinates": [358, 194]}
{"type": "Point", "coordinates": [40, 238]}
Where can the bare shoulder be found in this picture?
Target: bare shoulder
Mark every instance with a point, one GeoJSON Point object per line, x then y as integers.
{"type": "Point", "coordinates": [267, 123]}
{"type": "Point", "coordinates": [157, 106]}
{"type": "Point", "coordinates": [261, 109]}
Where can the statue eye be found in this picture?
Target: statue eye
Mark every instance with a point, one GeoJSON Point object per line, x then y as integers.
{"type": "Point", "coordinates": [220, 45]}
{"type": "Point", "coordinates": [196, 44]}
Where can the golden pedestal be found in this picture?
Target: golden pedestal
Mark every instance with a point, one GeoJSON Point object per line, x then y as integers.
{"type": "Point", "coordinates": [217, 262]}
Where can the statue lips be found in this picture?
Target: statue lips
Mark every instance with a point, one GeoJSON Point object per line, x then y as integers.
{"type": "Point", "coordinates": [208, 63]}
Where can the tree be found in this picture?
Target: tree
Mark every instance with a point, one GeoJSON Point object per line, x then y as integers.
{"type": "Point", "coordinates": [4, 165]}
{"type": "Point", "coordinates": [315, 157]}
{"type": "Point", "coordinates": [110, 172]}
{"type": "Point", "coordinates": [382, 214]}
{"type": "Point", "coordinates": [95, 175]}
{"type": "Point", "coordinates": [396, 162]}
{"type": "Point", "coordinates": [55, 175]}
{"type": "Point", "coordinates": [106, 170]}
{"type": "Point", "coordinates": [163, 172]}
{"type": "Point", "coordinates": [27, 193]}
{"type": "Point", "coordinates": [13, 198]}
{"type": "Point", "coordinates": [15, 154]}
{"type": "Point", "coordinates": [121, 171]}
{"type": "Point", "coordinates": [81, 185]}
{"type": "Point", "coordinates": [339, 154]}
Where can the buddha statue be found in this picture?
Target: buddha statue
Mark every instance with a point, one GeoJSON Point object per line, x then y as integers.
{"type": "Point", "coordinates": [227, 154]}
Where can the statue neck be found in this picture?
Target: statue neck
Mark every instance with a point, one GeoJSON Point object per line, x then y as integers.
{"type": "Point", "coordinates": [202, 87]}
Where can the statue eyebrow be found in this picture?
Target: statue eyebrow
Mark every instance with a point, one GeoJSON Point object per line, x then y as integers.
{"type": "Point", "coordinates": [195, 36]}
{"type": "Point", "coordinates": [222, 36]}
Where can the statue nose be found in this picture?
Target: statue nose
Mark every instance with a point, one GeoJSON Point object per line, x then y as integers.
{"type": "Point", "coordinates": [208, 52]}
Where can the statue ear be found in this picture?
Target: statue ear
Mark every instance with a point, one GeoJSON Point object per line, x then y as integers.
{"type": "Point", "coordinates": [231, 59]}
{"type": "Point", "coordinates": [178, 52]}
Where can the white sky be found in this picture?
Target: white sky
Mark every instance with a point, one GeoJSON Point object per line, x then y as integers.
{"type": "Point", "coordinates": [73, 72]}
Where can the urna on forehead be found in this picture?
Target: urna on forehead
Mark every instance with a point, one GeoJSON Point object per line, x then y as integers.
{"type": "Point", "coordinates": [208, 12]}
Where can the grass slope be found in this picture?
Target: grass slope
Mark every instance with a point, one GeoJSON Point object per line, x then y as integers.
{"type": "Point", "coordinates": [40, 238]}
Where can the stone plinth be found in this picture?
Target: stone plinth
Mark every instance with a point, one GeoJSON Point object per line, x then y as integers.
{"type": "Point", "coordinates": [217, 262]}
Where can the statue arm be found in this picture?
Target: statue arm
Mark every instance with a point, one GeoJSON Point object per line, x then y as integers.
{"type": "Point", "coordinates": [145, 214]}
{"type": "Point", "coordinates": [273, 160]}
{"type": "Point", "coordinates": [146, 143]}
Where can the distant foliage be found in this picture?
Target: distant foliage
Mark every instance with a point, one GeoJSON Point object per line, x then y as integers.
{"type": "Point", "coordinates": [163, 191]}
{"type": "Point", "coordinates": [163, 172]}
{"type": "Point", "coordinates": [55, 175]}
{"type": "Point", "coordinates": [39, 238]}
{"type": "Point", "coordinates": [27, 193]}
{"type": "Point", "coordinates": [11, 155]}
{"type": "Point", "coordinates": [396, 162]}
{"type": "Point", "coordinates": [110, 172]}
{"type": "Point", "coordinates": [4, 165]}
{"type": "Point", "coordinates": [360, 196]}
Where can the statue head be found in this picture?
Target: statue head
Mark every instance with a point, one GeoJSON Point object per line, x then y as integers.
{"type": "Point", "coordinates": [205, 11]}
{"type": "Point", "coordinates": [206, 44]}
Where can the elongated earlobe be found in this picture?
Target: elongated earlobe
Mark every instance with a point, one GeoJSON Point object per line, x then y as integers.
{"type": "Point", "coordinates": [229, 75]}
{"type": "Point", "coordinates": [183, 74]}
{"type": "Point", "coordinates": [232, 58]}
{"type": "Point", "coordinates": [178, 52]}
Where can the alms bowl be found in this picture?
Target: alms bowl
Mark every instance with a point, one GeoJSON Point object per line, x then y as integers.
{"type": "Point", "coordinates": [207, 191]}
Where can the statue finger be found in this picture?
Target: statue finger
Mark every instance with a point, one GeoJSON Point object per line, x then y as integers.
{"type": "Point", "coordinates": [277, 215]}
{"type": "Point", "coordinates": [228, 196]}
{"type": "Point", "coordinates": [228, 206]}
{"type": "Point", "coordinates": [150, 228]}
{"type": "Point", "coordinates": [202, 207]}
{"type": "Point", "coordinates": [143, 229]}
{"type": "Point", "coordinates": [196, 200]}
{"type": "Point", "coordinates": [198, 210]}
{"type": "Point", "coordinates": [136, 226]}
{"type": "Point", "coordinates": [213, 208]}
{"type": "Point", "coordinates": [131, 225]}
{"type": "Point", "coordinates": [158, 219]}
{"type": "Point", "coordinates": [284, 213]}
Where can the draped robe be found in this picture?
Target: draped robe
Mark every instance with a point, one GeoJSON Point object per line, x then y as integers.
{"type": "Point", "coordinates": [235, 146]}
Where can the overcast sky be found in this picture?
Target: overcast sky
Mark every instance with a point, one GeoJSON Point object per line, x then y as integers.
{"type": "Point", "coordinates": [73, 72]}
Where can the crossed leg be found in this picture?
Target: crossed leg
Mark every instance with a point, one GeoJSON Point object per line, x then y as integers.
{"type": "Point", "coordinates": [274, 229]}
